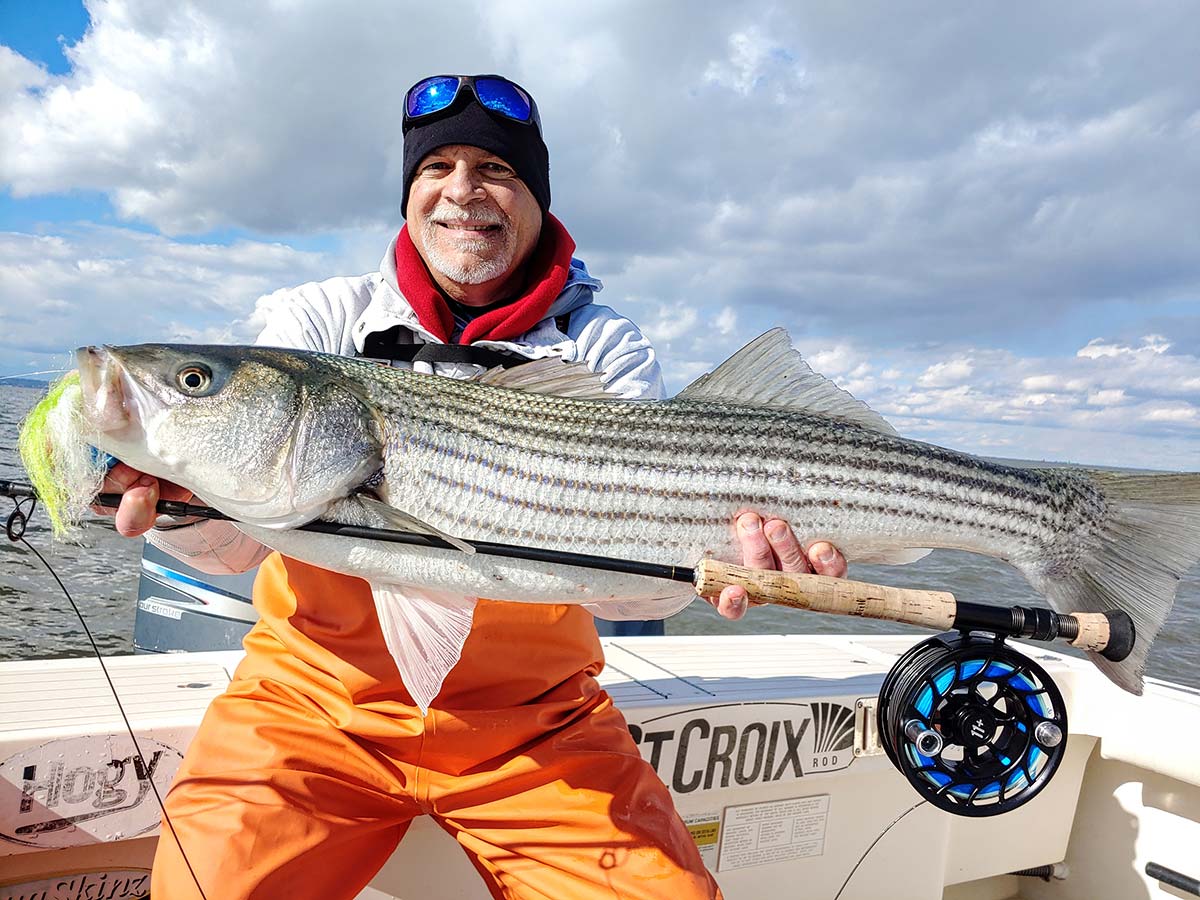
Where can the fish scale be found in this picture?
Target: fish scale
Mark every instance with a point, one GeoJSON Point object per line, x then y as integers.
{"type": "Point", "coordinates": [559, 464]}
{"type": "Point", "coordinates": [806, 438]}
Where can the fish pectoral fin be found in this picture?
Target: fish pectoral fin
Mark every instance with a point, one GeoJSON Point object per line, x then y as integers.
{"type": "Point", "coordinates": [892, 557]}
{"type": "Point", "coordinates": [424, 631]}
{"type": "Point", "coordinates": [406, 522]}
{"type": "Point", "coordinates": [769, 372]}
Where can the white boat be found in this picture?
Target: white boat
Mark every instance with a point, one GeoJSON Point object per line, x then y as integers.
{"type": "Point", "coordinates": [767, 742]}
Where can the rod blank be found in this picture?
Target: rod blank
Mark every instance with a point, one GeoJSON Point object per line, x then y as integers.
{"type": "Point", "coordinates": [1109, 633]}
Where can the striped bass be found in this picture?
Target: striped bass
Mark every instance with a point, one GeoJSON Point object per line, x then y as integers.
{"type": "Point", "coordinates": [537, 455]}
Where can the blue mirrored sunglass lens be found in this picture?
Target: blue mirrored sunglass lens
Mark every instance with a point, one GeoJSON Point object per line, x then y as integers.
{"type": "Point", "coordinates": [431, 95]}
{"type": "Point", "coordinates": [503, 97]}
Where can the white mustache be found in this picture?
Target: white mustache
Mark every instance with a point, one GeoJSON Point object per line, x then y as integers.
{"type": "Point", "coordinates": [456, 216]}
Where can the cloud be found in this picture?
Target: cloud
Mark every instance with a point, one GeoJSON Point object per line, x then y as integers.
{"type": "Point", "coordinates": [884, 175]}
{"type": "Point", "coordinates": [670, 324]}
{"type": "Point", "coordinates": [726, 321]}
{"type": "Point", "coordinates": [96, 284]}
{"type": "Point", "coordinates": [1176, 413]}
{"type": "Point", "coordinates": [983, 223]}
{"type": "Point", "coordinates": [1106, 397]}
{"type": "Point", "coordinates": [1102, 410]}
{"type": "Point", "coordinates": [18, 76]}
{"type": "Point", "coordinates": [945, 374]}
{"type": "Point", "coordinates": [755, 63]}
{"type": "Point", "coordinates": [103, 284]}
{"type": "Point", "coordinates": [1098, 348]}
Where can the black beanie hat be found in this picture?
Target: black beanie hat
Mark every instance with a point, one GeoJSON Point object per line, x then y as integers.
{"type": "Point", "coordinates": [465, 121]}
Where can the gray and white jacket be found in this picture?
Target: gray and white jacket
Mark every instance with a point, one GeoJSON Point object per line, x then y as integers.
{"type": "Point", "coordinates": [337, 316]}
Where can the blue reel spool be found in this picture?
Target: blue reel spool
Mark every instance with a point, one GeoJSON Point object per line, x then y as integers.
{"type": "Point", "coordinates": [976, 727]}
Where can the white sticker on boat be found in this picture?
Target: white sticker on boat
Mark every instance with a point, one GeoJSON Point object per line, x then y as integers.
{"type": "Point", "coordinates": [740, 744]}
{"type": "Point", "coordinates": [158, 607]}
{"type": "Point", "coordinates": [760, 833]}
{"type": "Point", "coordinates": [111, 884]}
{"type": "Point", "coordinates": [83, 790]}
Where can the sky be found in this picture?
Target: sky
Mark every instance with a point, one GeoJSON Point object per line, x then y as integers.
{"type": "Point", "coordinates": [981, 219]}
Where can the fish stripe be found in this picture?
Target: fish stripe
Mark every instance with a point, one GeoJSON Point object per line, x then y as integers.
{"type": "Point", "coordinates": [665, 478]}
{"type": "Point", "coordinates": [829, 476]}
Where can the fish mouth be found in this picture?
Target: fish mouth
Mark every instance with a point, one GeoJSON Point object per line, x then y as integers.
{"type": "Point", "coordinates": [108, 406]}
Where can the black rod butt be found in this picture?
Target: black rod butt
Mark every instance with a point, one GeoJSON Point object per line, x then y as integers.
{"type": "Point", "coordinates": [1121, 635]}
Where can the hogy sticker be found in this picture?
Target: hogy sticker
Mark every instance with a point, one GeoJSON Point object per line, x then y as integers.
{"type": "Point", "coordinates": [83, 790]}
{"type": "Point", "coordinates": [742, 744]}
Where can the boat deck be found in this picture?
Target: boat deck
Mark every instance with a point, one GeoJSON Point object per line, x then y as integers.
{"type": "Point", "coordinates": [707, 713]}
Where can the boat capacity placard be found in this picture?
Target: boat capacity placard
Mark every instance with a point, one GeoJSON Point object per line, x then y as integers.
{"type": "Point", "coordinates": [760, 833]}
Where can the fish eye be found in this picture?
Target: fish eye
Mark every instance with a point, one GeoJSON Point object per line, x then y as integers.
{"type": "Point", "coordinates": [194, 379]}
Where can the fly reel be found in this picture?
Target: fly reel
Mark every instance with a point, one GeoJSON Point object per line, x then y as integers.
{"type": "Point", "coordinates": [976, 727]}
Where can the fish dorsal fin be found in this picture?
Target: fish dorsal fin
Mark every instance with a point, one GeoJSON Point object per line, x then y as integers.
{"type": "Point", "coordinates": [424, 631]}
{"type": "Point", "coordinates": [405, 522]}
{"type": "Point", "coordinates": [552, 376]}
{"type": "Point", "coordinates": [769, 372]}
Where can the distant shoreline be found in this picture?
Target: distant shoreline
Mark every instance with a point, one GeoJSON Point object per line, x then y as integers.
{"type": "Point", "coordinates": [24, 383]}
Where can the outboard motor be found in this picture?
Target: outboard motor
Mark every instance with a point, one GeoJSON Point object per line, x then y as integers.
{"type": "Point", "coordinates": [182, 609]}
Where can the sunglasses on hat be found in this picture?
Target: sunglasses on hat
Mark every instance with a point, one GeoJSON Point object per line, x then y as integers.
{"type": "Point", "coordinates": [498, 95]}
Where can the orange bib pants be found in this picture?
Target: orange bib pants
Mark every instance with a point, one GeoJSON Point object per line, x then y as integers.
{"type": "Point", "coordinates": [306, 773]}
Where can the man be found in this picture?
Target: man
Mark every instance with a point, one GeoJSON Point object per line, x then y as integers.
{"type": "Point", "coordinates": [306, 773]}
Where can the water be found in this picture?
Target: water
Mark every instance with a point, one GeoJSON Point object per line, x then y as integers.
{"type": "Point", "coordinates": [101, 573]}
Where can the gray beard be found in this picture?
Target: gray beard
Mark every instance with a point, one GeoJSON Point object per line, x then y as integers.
{"type": "Point", "coordinates": [477, 272]}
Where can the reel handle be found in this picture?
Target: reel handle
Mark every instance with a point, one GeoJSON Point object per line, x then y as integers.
{"type": "Point", "coordinates": [821, 593]}
{"type": "Point", "coordinates": [1110, 634]}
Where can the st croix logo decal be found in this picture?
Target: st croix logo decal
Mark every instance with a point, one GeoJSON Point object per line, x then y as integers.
{"type": "Point", "coordinates": [746, 743]}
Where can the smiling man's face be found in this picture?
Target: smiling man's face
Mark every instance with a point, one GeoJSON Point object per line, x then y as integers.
{"type": "Point", "coordinates": [473, 221]}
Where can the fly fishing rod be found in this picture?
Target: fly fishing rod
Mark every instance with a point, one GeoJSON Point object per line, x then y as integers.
{"type": "Point", "coordinates": [1109, 633]}
{"type": "Point", "coordinates": [976, 727]}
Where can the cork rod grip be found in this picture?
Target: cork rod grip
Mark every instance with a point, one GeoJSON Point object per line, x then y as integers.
{"type": "Point", "coordinates": [1093, 631]}
{"type": "Point", "coordinates": [820, 593]}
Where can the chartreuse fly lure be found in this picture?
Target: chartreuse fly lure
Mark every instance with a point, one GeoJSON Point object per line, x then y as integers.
{"type": "Point", "coordinates": [64, 469]}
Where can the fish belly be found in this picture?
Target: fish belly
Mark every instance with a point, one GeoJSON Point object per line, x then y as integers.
{"type": "Point", "coordinates": [469, 574]}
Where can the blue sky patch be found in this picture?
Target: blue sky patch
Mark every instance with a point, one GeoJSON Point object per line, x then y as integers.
{"type": "Point", "coordinates": [33, 28]}
{"type": "Point", "coordinates": [46, 212]}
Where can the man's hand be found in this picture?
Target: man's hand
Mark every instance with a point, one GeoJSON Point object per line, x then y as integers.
{"type": "Point", "coordinates": [140, 494]}
{"type": "Point", "coordinates": [773, 545]}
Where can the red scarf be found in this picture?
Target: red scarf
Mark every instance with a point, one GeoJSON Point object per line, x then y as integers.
{"type": "Point", "coordinates": [546, 275]}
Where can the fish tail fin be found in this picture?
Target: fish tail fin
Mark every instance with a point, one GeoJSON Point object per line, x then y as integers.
{"type": "Point", "coordinates": [1150, 539]}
